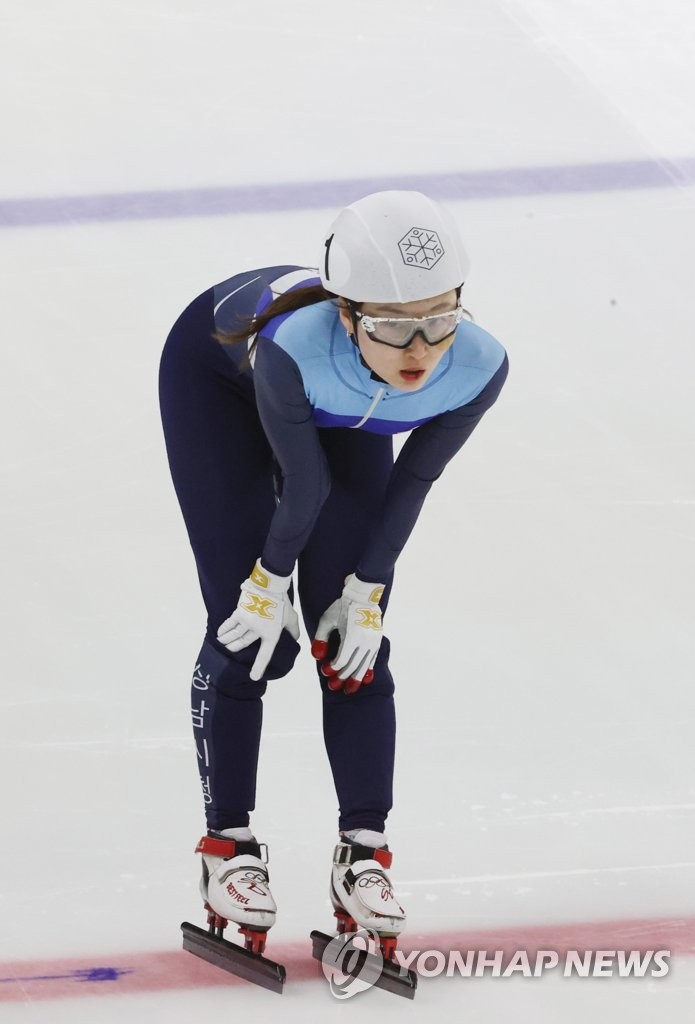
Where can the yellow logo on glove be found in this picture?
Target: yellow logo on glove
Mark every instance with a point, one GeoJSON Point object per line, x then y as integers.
{"type": "Point", "coordinates": [376, 595]}
{"type": "Point", "coordinates": [259, 606]}
{"type": "Point", "coordinates": [259, 577]}
{"type": "Point", "coordinates": [370, 619]}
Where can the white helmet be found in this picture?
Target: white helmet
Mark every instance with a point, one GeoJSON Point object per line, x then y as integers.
{"type": "Point", "coordinates": [393, 247]}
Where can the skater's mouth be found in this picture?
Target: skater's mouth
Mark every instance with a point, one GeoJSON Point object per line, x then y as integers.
{"type": "Point", "coordinates": [412, 375]}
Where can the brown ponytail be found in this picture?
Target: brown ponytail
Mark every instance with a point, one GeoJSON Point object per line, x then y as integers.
{"type": "Point", "coordinates": [285, 303]}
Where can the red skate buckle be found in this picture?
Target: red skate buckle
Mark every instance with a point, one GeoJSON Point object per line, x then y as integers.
{"type": "Point", "coordinates": [384, 857]}
{"type": "Point", "coordinates": [217, 847]}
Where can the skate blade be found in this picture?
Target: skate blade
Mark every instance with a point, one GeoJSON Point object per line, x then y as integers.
{"type": "Point", "coordinates": [233, 958]}
{"type": "Point", "coordinates": [392, 979]}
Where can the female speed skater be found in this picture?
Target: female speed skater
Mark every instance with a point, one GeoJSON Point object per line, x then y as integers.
{"type": "Point", "coordinates": [280, 391]}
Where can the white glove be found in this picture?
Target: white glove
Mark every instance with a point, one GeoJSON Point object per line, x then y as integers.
{"type": "Point", "coordinates": [264, 610]}
{"type": "Point", "coordinates": [357, 618]}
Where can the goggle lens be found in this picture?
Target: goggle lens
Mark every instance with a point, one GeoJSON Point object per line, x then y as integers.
{"type": "Point", "coordinates": [398, 332]}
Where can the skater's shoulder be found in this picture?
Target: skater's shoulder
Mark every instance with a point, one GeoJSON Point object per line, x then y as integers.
{"type": "Point", "coordinates": [476, 348]}
{"type": "Point", "coordinates": [305, 333]}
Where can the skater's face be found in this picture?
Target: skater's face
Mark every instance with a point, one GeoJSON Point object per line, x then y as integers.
{"type": "Point", "coordinates": [405, 368]}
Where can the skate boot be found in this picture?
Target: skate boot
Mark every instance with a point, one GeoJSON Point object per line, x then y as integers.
{"type": "Point", "coordinates": [234, 885]}
{"type": "Point", "coordinates": [361, 891]}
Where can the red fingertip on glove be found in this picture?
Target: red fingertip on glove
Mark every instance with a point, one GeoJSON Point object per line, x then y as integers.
{"type": "Point", "coordinates": [319, 649]}
{"type": "Point", "coordinates": [348, 686]}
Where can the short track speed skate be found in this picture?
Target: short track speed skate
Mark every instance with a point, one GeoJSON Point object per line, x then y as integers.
{"type": "Point", "coordinates": [363, 898]}
{"type": "Point", "coordinates": [235, 887]}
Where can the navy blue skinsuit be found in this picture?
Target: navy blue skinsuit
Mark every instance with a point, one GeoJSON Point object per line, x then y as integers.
{"type": "Point", "coordinates": [309, 421]}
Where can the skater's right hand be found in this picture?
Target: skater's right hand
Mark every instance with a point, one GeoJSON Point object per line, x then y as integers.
{"type": "Point", "coordinates": [264, 610]}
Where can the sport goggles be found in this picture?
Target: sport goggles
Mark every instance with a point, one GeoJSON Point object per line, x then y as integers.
{"type": "Point", "coordinates": [398, 332]}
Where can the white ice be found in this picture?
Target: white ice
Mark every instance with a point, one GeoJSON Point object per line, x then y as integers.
{"type": "Point", "coordinates": [545, 674]}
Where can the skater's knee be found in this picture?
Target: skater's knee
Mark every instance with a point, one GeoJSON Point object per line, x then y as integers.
{"type": "Point", "coordinates": [382, 684]}
{"type": "Point", "coordinates": [228, 673]}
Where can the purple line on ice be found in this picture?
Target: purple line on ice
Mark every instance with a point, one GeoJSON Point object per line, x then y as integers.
{"type": "Point", "coordinates": [464, 185]}
{"type": "Point", "coordinates": [85, 974]}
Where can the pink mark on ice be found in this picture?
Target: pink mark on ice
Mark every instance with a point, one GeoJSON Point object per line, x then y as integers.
{"type": "Point", "coordinates": [169, 970]}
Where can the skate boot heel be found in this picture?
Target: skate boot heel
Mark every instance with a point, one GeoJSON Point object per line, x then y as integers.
{"type": "Point", "coordinates": [254, 939]}
{"type": "Point", "coordinates": [345, 923]}
{"type": "Point", "coordinates": [388, 945]}
{"type": "Point", "coordinates": [216, 924]}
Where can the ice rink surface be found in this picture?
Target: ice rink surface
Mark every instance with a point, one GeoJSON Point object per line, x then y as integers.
{"type": "Point", "coordinates": [545, 792]}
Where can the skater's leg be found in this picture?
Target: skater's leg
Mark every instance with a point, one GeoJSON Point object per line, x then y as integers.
{"type": "Point", "coordinates": [221, 466]}
{"type": "Point", "coordinates": [227, 716]}
{"type": "Point", "coordinates": [359, 729]}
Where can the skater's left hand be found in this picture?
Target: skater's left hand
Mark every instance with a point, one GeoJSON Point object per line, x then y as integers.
{"type": "Point", "coordinates": [357, 618]}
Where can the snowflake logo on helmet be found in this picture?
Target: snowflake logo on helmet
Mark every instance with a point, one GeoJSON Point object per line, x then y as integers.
{"type": "Point", "coordinates": [421, 247]}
